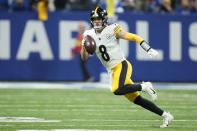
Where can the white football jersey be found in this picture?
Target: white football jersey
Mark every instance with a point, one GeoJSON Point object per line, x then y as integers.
{"type": "Point", "coordinates": [108, 49]}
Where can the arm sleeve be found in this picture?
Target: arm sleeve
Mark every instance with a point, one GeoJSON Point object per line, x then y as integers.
{"type": "Point", "coordinates": [133, 37]}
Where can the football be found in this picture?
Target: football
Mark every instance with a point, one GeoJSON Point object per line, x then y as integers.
{"type": "Point", "coordinates": [90, 44]}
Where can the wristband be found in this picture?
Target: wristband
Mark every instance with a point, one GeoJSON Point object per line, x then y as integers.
{"type": "Point", "coordinates": [145, 46]}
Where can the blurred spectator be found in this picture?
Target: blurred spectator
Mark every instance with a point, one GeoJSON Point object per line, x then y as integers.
{"type": "Point", "coordinates": [129, 4]}
{"type": "Point", "coordinates": [76, 52]}
{"type": "Point", "coordinates": [119, 6]}
{"type": "Point", "coordinates": [160, 6]}
{"type": "Point", "coordinates": [51, 5]}
{"type": "Point", "coordinates": [142, 5]}
{"type": "Point", "coordinates": [4, 5]}
{"type": "Point", "coordinates": [60, 5]}
{"type": "Point", "coordinates": [174, 4]}
{"type": "Point", "coordinates": [153, 6]}
{"type": "Point", "coordinates": [193, 6]}
{"type": "Point", "coordinates": [113, 8]}
{"type": "Point", "coordinates": [165, 7]}
{"type": "Point", "coordinates": [19, 5]}
{"type": "Point", "coordinates": [42, 8]}
{"type": "Point", "coordinates": [81, 4]}
{"type": "Point", "coordinates": [184, 7]}
{"type": "Point", "coordinates": [33, 5]}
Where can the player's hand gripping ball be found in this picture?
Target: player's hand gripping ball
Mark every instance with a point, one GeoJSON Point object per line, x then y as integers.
{"type": "Point", "coordinates": [90, 44]}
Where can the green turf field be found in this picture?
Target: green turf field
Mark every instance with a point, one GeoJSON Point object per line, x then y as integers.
{"type": "Point", "coordinates": [92, 109]}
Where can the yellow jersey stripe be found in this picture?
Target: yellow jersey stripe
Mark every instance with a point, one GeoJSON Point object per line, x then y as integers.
{"type": "Point", "coordinates": [117, 29]}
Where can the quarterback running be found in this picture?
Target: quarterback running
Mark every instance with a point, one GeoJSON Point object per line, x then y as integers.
{"type": "Point", "coordinates": [109, 52]}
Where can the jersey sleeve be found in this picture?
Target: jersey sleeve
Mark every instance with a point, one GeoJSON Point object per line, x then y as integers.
{"type": "Point", "coordinates": [116, 28]}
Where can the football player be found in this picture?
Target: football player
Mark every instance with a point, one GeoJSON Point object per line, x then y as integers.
{"type": "Point", "coordinates": [111, 56]}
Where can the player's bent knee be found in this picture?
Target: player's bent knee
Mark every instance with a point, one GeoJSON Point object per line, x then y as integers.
{"type": "Point", "coordinates": [132, 96]}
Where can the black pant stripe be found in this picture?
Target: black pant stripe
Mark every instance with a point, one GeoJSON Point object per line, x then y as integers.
{"type": "Point", "coordinates": [123, 73]}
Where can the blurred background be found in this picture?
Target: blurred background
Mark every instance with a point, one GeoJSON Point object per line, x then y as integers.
{"type": "Point", "coordinates": [40, 39]}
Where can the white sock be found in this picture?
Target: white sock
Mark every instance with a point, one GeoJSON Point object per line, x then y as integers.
{"type": "Point", "coordinates": [164, 114]}
{"type": "Point", "coordinates": [143, 87]}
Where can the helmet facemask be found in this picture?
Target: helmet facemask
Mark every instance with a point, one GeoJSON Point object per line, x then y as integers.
{"type": "Point", "coordinates": [100, 26]}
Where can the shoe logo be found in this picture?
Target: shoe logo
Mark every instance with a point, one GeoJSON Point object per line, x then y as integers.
{"type": "Point", "coordinates": [153, 91]}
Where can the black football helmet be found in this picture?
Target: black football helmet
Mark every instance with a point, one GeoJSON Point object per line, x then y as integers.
{"type": "Point", "coordinates": [98, 13]}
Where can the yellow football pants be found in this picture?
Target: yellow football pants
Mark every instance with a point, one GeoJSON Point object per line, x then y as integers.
{"type": "Point", "coordinates": [121, 75]}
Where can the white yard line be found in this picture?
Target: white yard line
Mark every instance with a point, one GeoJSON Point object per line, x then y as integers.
{"type": "Point", "coordinates": [25, 119]}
